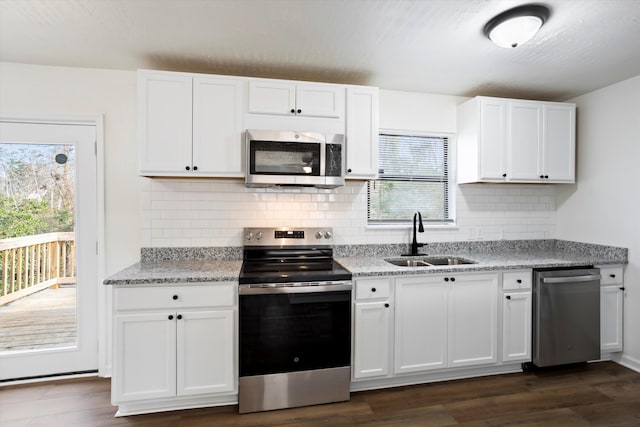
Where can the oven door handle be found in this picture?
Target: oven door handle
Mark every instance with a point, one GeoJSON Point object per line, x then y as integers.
{"type": "Point", "coordinates": [293, 289]}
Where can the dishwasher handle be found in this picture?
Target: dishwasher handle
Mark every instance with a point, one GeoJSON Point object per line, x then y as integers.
{"type": "Point", "coordinates": [571, 279]}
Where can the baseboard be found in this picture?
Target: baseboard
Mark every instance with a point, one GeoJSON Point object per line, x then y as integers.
{"type": "Point", "coordinates": [629, 362]}
{"type": "Point", "coordinates": [48, 378]}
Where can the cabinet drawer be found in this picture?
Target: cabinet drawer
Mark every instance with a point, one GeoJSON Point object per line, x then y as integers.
{"type": "Point", "coordinates": [369, 289]}
{"type": "Point", "coordinates": [611, 275]}
{"type": "Point", "coordinates": [514, 280]}
{"type": "Point", "coordinates": [175, 296]}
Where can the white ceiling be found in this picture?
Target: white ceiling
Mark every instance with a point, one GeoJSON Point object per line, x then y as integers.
{"type": "Point", "coordinates": [434, 46]}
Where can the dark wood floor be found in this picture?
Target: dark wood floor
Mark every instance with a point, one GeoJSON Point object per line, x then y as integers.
{"type": "Point", "coordinates": [604, 394]}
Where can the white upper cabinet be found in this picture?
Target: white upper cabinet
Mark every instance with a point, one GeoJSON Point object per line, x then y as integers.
{"type": "Point", "coordinates": [525, 137]}
{"type": "Point", "coordinates": [217, 126]}
{"type": "Point", "coordinates": [362, 132]}
{"type": "Point", "coordinates": [164, 121]}
{"type": "Point", "coordinates": [190, 125]}
{"type": "Point", "coordinates": [512, 140]}
{"type": "Point", "coordinates": [296, 99]}
{"type": "Point", "coordinates": [493, 139]}
{"type": "Point", "coordinates": [558, 139]}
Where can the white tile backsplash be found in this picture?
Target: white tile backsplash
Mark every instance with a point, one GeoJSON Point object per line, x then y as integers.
{"type": "Point", "coordinates": [178, 213]}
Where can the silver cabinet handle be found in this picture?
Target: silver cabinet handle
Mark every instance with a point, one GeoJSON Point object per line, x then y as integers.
{"type": "Point", "coordinates": [571, 279]}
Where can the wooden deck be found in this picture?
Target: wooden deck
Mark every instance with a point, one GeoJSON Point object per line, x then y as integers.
{"type": "Point", "coordinates": [45, 319]}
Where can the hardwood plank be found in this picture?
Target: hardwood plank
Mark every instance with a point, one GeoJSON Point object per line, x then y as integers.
{"type": "Point", "coordinates": [596, 394]}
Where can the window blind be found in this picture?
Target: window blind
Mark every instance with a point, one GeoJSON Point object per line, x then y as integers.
{"type": "Point", "coordinates": [413, 176]}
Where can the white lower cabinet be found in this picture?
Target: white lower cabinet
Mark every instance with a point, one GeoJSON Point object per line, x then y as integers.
{"type": "Point", "coordinates": [371, 339]}
{"type": "Point", "coordinates": [205, 356]}
{"type": "Point", "coordinates": [420, 324]}
{"type": "Point", "coordinates": [516, 316]}
{"type": "Point", "coordinates": [611, 308]}
{"type": "Point", "coordinates": [173, 343]}
{"type": "Point", "coordinates": [472, 319]}
{"type": "Point", "coordinates": [439, 326]}
{"type": "Point", "coordinates": [372, 328]}
{"type": "Point", "coordinates": [145, 357]}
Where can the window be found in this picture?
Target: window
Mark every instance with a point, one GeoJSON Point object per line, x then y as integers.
{"type": "Point", "coordinates": [414, 176]}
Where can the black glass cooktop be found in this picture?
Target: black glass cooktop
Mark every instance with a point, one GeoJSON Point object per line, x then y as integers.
{"type": "Point", "coordinates": [273, 266]}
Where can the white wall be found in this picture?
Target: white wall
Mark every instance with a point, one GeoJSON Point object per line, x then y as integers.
{"type": "Point", "coordinates": [604, 206]}
{"type": "Point", "coordinates": [31, 89]}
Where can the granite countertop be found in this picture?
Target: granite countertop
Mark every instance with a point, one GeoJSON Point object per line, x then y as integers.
{"type": "Point", "coordinates": [361, 266]}
{"type": "Point", "coordinates": [184, 265]}
{"type": "Point", "coordinates": [181, 271]}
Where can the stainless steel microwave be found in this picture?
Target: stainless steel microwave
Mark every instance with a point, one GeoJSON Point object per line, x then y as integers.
{"type": "Point", "coordinates": [294, 158]}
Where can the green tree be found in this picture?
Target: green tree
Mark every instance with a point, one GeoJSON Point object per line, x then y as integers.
{"type": "Point", "coordinates": [22, 218]}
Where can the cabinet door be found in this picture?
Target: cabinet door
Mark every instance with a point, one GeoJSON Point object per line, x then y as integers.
{"type": "Point", "coordinates": [420, 324]}
{"type": "Point", "coordinates": [164, 122]}
{"type": "Point", "coordinates": [271, 97]}
{"type": "Point", "coordinates": [320, 100]}
{"type": "Point", "coordinates": [473, 320]}
{"type": "Point", "coordinates": [611, 300]}
{"type": "Point", "coordinates": [144, 357]}
{"type": "Point", "coordinates": [558, 142]}
{"type": "Point", "coordinates": [362, 133]}
{"type": "Point", "coordinates": [217, 126]}
{"type": "Point", "coordinates": [205, 352]}
{"type": "Point", "coordinates": [516, 326]}
{"type": "Point", "coordinates": [524, 141]}
{"type": "Point", "coordinates": [493, 139]}
{"type": "Point", "coordinates": [371, 339]}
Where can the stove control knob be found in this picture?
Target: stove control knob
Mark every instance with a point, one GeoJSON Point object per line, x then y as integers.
{"type": "Point", "coordinates": [259, 235]}
{"type": "Point", "coordinates": [249, 236]}
{"type": "Point", "coordinates": [327, 234]}
{"type": "Point", "coordinates": [319, 234]}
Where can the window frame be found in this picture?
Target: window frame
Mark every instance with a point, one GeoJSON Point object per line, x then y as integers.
{"type": "Point", "coordinates": [451, 183]}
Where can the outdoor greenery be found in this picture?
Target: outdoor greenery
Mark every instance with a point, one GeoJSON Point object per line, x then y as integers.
{"type": "Point", "coordinates": [36, 190]}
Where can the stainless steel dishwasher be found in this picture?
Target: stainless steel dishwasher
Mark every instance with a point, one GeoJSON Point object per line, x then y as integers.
{"type": "Point", "coordinates": [566, 316]}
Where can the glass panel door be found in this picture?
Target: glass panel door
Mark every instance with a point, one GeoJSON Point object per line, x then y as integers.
{"type": "Point", "coordinates": [48, 261]}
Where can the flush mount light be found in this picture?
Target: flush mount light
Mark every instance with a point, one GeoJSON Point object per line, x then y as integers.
{"type": "Point", "coordinates": [516, 26]}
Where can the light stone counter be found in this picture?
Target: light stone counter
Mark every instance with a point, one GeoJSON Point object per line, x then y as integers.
{"type": "Point", "coordinates": [188, 265]}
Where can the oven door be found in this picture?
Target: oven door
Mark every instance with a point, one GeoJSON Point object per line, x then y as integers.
{"type": "Point", "coordinates": [294, 328]}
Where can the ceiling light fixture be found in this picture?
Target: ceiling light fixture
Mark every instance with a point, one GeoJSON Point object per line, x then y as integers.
{"type": "Point", "coordinates": [516, 26]}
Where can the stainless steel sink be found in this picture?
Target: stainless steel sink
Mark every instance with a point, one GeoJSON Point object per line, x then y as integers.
{"type": "Point", "coordinates": [429, 261]}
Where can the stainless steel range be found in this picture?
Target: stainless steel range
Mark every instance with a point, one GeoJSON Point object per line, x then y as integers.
{"type": "Point", "coordinates": [295, 320]}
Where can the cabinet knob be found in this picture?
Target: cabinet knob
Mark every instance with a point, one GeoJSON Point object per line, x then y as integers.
{"type": "Point", "coordinates": [453, 279]}
{"type": "Point", "coordinates": [541, 176]}
{"type": "Point", "coordinates": [446, 279]}
{"type": "Point", "coordinates": [519, 281]}
{"type": "Point", "coordinates": [508, 297]}
{"type": "Point", "coordinates": [293, 111]}
{"type": "Point", "coordinates": [386, 305]}
{"type": "Point", "coordinates": [622, 288]}
{"type": "Point", "coordinates": [171, 317]}
{"type": "Point", "coordinates": [546, 176]}
{"type": "Point", "coordinates": [179, 316]}
{"type": "Point", "coordinates": [612, 276]}
{"type": "Point", "coordinates": [195, 168]}
{"type": "Point", "coordinates": [504, 175]}
{"type": "Point", "coordinates": [373, 289]}
{"type": "Point", "coordinates": [299, 111]}
{"type": "Point", "coordinates": [349, 170]}
{"type": "Point", "coordinates": [175, 297]}
{"type": "Point", "coordinates": [187, 168]}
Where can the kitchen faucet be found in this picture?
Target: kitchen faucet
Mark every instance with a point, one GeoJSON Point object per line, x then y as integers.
{"type": "Point", "coordinates": [414, 244]}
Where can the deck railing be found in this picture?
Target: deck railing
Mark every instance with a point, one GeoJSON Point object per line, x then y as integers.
{"type": "Point", "coordinates": [31, 263]}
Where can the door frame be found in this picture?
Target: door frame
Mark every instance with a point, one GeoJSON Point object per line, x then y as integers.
{"type": "Point", "coordinates": [104, 300]}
